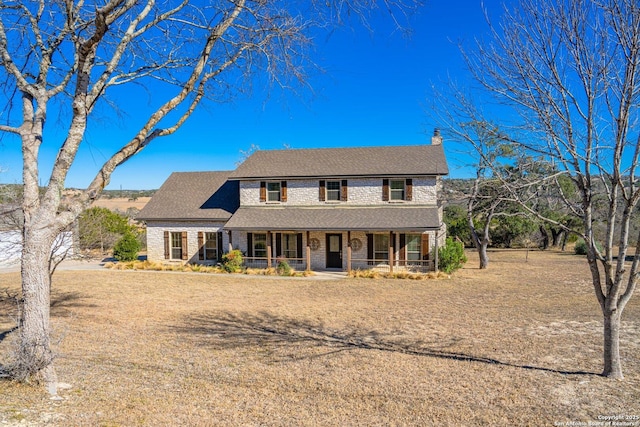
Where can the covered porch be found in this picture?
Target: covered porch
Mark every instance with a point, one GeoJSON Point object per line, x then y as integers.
{"type": "Point", "coordinates": [381, 238]}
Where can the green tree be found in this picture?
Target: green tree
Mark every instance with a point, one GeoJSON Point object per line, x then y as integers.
{"type": "Point", "coordinates": [510, 227]}
{"type": "Point", "coordinates": [100, 228]}
{"type": "Point", "coordinates": [455, 217]}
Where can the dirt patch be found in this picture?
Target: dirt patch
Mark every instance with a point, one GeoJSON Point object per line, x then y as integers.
{"type": "Point", "coordinates": [518, 344]}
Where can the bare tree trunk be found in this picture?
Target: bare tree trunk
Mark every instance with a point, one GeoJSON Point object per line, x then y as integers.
{"type": "Point", "coordinates": [612, 363]}
{"type": "Point", "coordinates": [484, 257]}
{"type": "Point", "coordinates": [545, 237]}
{"type": "Point", "coordinates": [481, 245]}
{"type": "Point", "coordinates": [35, 355]}
{"type": "Point", "coordinates": [556, 236]}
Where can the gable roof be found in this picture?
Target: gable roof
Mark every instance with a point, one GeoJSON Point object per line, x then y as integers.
{"type": "Point", "coordinates": [193, 196]}
{"type": "Point", "coordinates": [353, 161]}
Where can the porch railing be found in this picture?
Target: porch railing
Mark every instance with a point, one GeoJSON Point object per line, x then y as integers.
{"type": "Point", "coordinates": [298, 264]}
{"type": "Point", "coordinates": [423, 266]}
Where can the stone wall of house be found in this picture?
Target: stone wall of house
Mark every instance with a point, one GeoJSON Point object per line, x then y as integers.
{"type": "Point", "coordinates": [360, 191]}
{"type": "Point", "coordinates": [155, 238]}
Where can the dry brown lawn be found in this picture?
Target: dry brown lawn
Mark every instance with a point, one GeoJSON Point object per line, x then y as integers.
{"type": "Point", "coordinates": [519, 344]}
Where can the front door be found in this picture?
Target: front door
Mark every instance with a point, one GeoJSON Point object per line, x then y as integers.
{"type": "Point", "coordinates": [334, 250]}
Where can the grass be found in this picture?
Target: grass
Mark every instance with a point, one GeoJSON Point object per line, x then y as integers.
{"type": "Point", "coordinates": [518, 344]}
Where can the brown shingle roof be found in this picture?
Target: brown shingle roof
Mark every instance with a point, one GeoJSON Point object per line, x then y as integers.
{"type": "Point", "coordinates": [193, 196]}
{"type": "Point", "coordinates": [337, 218]}
{"type": "Point", "coordinates": [353, 161]}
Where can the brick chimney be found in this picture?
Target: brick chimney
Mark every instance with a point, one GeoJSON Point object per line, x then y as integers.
{"type": "Point", "coordinates": [436, 139]}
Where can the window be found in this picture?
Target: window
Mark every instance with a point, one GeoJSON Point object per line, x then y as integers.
{"type": "Point", "coordinates": [273, 191]}
{"type": "Point", "coordinates": [381, 247]}
{"type": "Point", "coordinates": [260, 245]}
{"type": "Point", "coordinates": [176, 245]}
{"type": "Point", "coordinates": [397, 189]}
{"type": "Point", "coordinates": [413, 247]}
{"type": "Point", "coordinates": [290, 246]}
{"type": "Point", "coordinates": [211, 246]}
{"type": "Point", "coordinates": [333, 191]}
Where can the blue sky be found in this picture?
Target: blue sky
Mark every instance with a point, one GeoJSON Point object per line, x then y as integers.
{"type": "Point", "coordinates": [375, 91]}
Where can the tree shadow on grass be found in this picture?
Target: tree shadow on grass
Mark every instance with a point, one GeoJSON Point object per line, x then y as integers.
{"type": "Point", "coordinates": [229, 331]}
{"type": "Point", "coordinates": [61, 304]}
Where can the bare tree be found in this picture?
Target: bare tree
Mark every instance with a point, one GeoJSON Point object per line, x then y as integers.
{"type": "Point", "coordinates": [70, 55]}
{"type": "Point", "coordinates": [565, 81]}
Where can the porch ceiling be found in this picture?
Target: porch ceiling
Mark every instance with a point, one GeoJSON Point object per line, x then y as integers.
{"type": "Point", "coordinates": [335, 218]}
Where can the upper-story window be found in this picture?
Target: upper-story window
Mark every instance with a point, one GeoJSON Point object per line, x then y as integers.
{"type": "Point", "coordinates": [333, 190]}
{"type": "Point", "coordinates": [396, 190]}
{"type": "Point", "coordinates": [273, 191]}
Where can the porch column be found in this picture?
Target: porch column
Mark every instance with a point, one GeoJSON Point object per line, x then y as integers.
{"type": "Point", "coordinates": [308, 253]}
{"type": "Point", "coordinates": [348, 251]}
{"type": "Point", "coordinates": [435, 267]}
{"type": "Point", "coordinates": [269, 249]}
{"type": "Point", "coordinates": [230, 242]}
{"type": "Point", "coordinates": [391, 254]}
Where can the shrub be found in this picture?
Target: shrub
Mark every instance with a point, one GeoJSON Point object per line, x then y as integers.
{"type": "Point", "coordinates": [127, 248]}
{"type": "Point", "coordinates": [232, 261]}
{"type": "Point", "coordinates": [581, 247]}
{"type": "Point", "coordinates": [283, 268]}
{"type": "Point", "coordinates": [451, 256]}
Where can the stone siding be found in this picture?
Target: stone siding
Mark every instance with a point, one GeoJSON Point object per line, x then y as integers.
{"type": "Point", "coordinates": [155, 238]}
{"type": "Point", "coordinates": [360, 191]}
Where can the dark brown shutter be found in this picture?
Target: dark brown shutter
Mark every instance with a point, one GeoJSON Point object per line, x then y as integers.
{"type": "Point", "coordinates": [185, 251]}
{"type": "Point", "coordinates": [283, 191]}
{"type": "Point", "coordinates": [424, 246]}
{"type": "Point", "coordinates": [166, 245]}
{"type": "Point", "coordinates": [278, 244]}
{"type": "Point", "coordinates": [409, 189]}
{"type": "Point", "coordinates": [250, 245]}
{"type": "Point", "coordinates": [385, 190]}
{"type": "Point", "coordinates": [220, 246]}
{"type": "Point", "coordinates": [200, 245]}
{"type": "Point", "coordinates": [263, 191]}
{"type": "Point", "coordinates": [323, 191]}
{"type": "Point", "coordinates": [343, 190]}
{"type": "Point", "coordinates": [299, 246]}
{"type": "Point", "coordinates": [403, 249]}
{"type": "Point", "coordinates": [370, 248]}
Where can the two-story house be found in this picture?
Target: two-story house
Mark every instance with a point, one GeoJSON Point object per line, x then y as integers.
{"type": "Point", "coordinates": [333, 208]}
